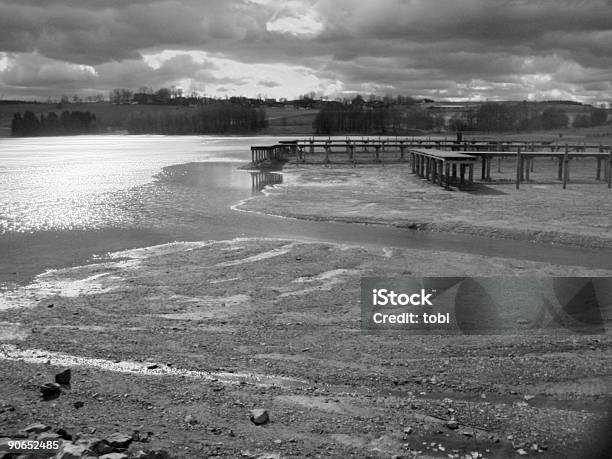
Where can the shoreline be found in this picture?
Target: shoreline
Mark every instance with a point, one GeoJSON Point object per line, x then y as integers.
{"type": "Point", "coordinates": [182, 340]}
{"type": "Point", "coordinates": [300, 197]}
{"type": "Point", "coordinates": [198, 334]}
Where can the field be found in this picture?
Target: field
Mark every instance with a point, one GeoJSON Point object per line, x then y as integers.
{"type": "Point", "coordinates": [282, 121]}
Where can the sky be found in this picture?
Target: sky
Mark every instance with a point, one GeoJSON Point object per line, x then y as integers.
{"type": "Point", "coordinates": [440, 49]}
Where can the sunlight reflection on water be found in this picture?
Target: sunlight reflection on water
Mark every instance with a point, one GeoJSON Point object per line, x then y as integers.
{"type": "Point", "coordinates": [88, 182]}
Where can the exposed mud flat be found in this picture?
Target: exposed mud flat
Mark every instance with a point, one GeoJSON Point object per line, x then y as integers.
{"type": "Point", "coordinates": [391, 195]}
{"type": "Point", "coordinates": [213, 329]}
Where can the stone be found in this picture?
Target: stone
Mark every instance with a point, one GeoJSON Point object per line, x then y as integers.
{"type": "Point", "coordinates": [50, 389]}
{"type": "Point", "coordinates": [48, 436]}
{"type": "Point", "coordinates": [118, 440]}
{"type": "Point", "coordinates": [452, 424]}
{"type": "Point", "coordinates": [153, 454]}
{"type": "Point", "coordinates": [78, 404]}
{"type": "Point", "coordinates": [189, 419]}
{"type": "Point", "coordinates": [36, 428]}
{"type": "Point", "coordinates": [521, 452]}
{"type": "Point", "coordinates": [6, 407]}
{"type": "Point", "coordinates": [113, 456]}
{"type": "Point", "coordinates": [71, 451]}
{"type": "Point", "coordinates": [259, 416]}
{"type": "Point", "coordinates": [64, 434]}
{"type": "Point", "coordinates": [95, 445]}
{"type": "Point", "coordinates": [467, 433]}
{"type": "Point", "coordinates": [63, 377]}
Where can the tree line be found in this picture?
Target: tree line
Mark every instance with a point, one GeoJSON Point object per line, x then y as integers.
{"type": "Point", "coordinates": [337, 117]}
{"type": "Point", "coordinates": [215, 118]}
{"type": "Point", "coordinates": [523, 116]}
{"type": "Point", "coordinates": [68, 123]}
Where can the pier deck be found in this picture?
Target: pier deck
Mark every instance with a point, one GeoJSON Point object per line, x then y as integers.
{"type": "Point", "coordinates": [430, 158]}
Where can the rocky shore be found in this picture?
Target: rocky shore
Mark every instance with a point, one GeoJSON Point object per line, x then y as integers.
{"type": "Point", "coordinates": [252, 347]}
{"type": "Point", "coordinates": [175, 346]}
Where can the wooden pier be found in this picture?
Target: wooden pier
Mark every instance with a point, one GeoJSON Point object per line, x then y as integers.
{"type": "Point", "coordinates": [430, 158]}
{"type": "Point", "coordinates": [269, 153]}
{"type": "Point", "coordinates": [443, 167]}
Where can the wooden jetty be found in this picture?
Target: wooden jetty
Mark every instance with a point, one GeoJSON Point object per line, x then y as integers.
{"type": "Point", "coordinates": [260, 154]}
{"type": "Point", "coordinates": [443, 167]}
{"type": "Point", "coordinates": [428, 155]}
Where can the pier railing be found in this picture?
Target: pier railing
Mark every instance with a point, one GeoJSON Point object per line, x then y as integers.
{"type": "Point", "coordinates": [428, 155]}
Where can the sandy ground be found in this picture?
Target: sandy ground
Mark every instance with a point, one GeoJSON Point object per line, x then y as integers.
{"type": "Point", "coordinates": [540, 210]}
{"type": "Point", "coordinates": [183, 340]}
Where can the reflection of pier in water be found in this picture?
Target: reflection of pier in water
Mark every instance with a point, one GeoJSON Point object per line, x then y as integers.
{"type": "Point", "coordinates": [261, 179]}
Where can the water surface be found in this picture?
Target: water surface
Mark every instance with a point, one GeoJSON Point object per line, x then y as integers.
{"type": "Point", "coordinates": [63, 199]}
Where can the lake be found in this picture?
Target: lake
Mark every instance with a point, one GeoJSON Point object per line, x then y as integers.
{"type": "Point", "coordinates": [63, 199]}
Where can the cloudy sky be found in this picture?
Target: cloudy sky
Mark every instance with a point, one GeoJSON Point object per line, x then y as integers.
{"type": "Point", "coordinates": [442, 49]}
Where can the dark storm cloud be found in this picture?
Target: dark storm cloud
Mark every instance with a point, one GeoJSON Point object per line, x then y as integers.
{"type": "Point", "coordinates": [453, 48]}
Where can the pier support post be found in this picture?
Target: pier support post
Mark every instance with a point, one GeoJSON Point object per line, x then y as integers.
{"type": "Point", "coordinates": [471, 173]}
{"type": "Point", "coordinates": [446, 176]}
{"type": "Point", "coordinates": [440, 166]}
{"type": "Point", "coordinates": [518, 167]}
{"type": "Point", "coordinates": [566, 167]}
{"type": "Point", "coordinates": [560, 168]}
{"type": "Point", "coordinates": [599, 158]}
{"type": "Point", "coordinates": [483, 172]}
{"type": "Point", "coordinates": [610, 169]}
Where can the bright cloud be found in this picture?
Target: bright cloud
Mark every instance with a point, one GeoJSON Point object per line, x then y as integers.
{"type": "Point", "coordinates": [489, 49]}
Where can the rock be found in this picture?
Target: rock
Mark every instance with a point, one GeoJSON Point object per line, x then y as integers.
{"type": "Point", "coordinates": [259, 416]}
{"type": "Point", "coordinates": [50, 389]}
{"type": "Point", "coordinates": [152, 366]}
{"type": "Point", "coordinates": [408, 430]}
{"type": "Point", "coordinates": [63, 434]}
{"type": "Point", "coordinates": [78, 404]}
{"type": "Point", "coordinates": [63, 377]}
{"type": "Point", "coordinates": [118, 440]}
{"type": "Point", "coordinates": [48, 436]}
{"type": "Point", "coordinates": [95, 445]}
{"type": "Point", "coordinates": [521, 452]}
{"type": "Point", "coordinates": [36, 428]}
{"type": "Point", "coordinates": [71, 451]}
{"type": "Point", "coordinates": [452, 424]}
{"type": "Point", "coordinates": [189, 419]}
{"type": "Point", "coordinates": [154, 454]}
{"type": "Point", "coordinates": [114, 456]}
{"type": "Point", "coordinates": [6, 407]}
{"type": "Point", "coordinates": [467, 433]}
